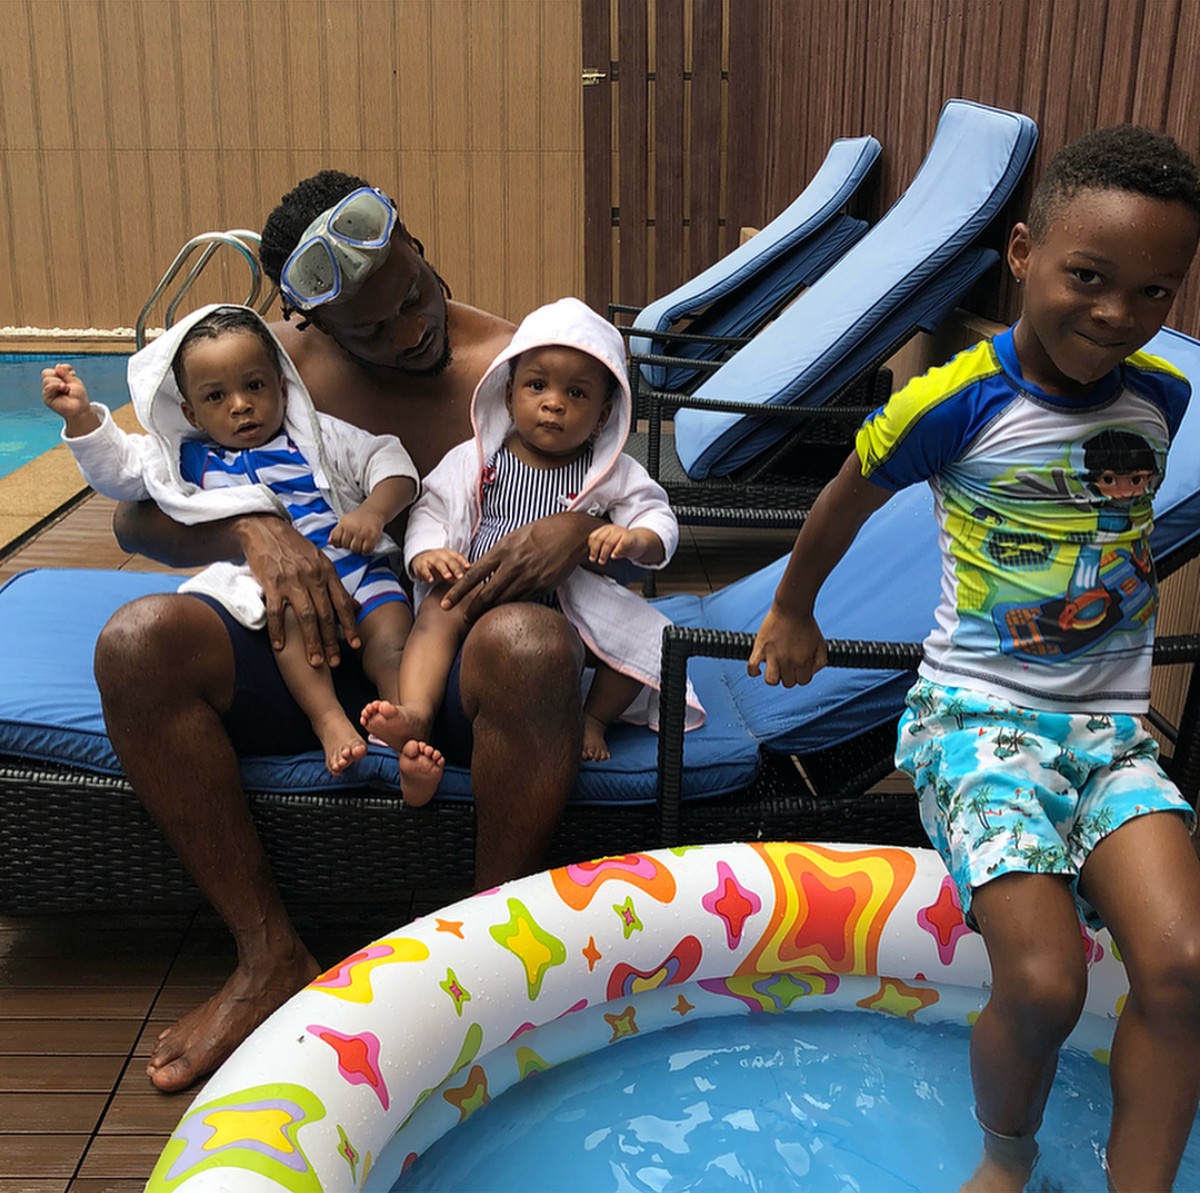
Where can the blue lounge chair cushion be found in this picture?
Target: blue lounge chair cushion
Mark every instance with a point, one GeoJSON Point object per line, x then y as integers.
{"type": "Point", "coordinates": [977, 157]}
{"type": "Point", "coordinates": [895, 602]}
{"type": "Point", "coordinates": [745, 310]}
{"type": "Point", "coordinates": [801, 226]}
{"type": "Point", "coordinates": [50, 707]}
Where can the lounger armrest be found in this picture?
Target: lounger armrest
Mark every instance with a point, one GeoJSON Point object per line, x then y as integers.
{"type": "Point", "coordinates": [681, 643]}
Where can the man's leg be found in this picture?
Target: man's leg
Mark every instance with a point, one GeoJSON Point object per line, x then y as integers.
{"type": "Point", "coordinates": [165, 668]}
{"type": "Point", "coordinates": [1144, 880]}
{"type": "Point", "coordinates": [521, 665]}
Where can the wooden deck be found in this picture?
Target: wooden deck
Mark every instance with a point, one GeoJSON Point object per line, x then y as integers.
{"type": "Point", "coordinates": [82, 997]}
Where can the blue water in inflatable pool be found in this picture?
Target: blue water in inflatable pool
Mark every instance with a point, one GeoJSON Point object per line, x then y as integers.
{"type": "Point", "coordinates": [817, 1101]}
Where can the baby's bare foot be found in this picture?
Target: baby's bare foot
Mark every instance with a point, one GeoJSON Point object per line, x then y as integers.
{"type": "Point", "coordinates": [421, 768]}
{"type": "Point", "coordinates": [394, 724]}
{"type": "Point", "coordinates": [595, 748]}
{"type": "Point", "coordinates": [342, 743]}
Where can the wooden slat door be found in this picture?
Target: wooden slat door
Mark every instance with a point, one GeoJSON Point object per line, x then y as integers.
{"type": "Point", "coordinates": [656, 113]}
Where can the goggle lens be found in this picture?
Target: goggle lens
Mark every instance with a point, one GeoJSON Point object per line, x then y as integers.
{"type": "Point", "coordinates": [364, 218]}
{"type": "Point", "coordinates": [313, 273]}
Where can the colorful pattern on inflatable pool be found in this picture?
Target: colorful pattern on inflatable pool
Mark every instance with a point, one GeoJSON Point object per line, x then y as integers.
{"type": "Point", "coordinates": [413, 1033]}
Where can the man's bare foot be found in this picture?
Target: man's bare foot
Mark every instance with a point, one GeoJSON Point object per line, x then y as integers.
{"type": "Point", "coordinates": [421, 768]}
{"type": "Point", "coordinates": [395, 724]}
{"type": "Point", "coordinates": [595, 748]}
{"type": "Point", "coordinates": [203, 1038]}
{"type": "Point", "coordinates": [342, 743]}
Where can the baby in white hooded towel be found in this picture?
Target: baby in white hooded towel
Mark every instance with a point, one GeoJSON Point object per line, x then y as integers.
{"type": "Point", "coordinates": [232, 431]}
{"type": "Point", "coordinates": [551, 417]}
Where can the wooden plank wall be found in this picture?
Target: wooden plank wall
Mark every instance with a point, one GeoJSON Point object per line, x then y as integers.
{"type": "Point", "coordinates": [829, 68]}
{"type": "Point", "coordinates": [127, 126]}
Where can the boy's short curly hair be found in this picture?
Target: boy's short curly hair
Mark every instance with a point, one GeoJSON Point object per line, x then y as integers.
{"type": "Point", "coordinates": [1125, 157]}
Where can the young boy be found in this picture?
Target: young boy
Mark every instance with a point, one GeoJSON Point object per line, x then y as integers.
{"type": "Point", "coordinates": [1043, 448]}
{"type": "Point", "coordinates": [551, 415]}
{"type": "Point", "coordinates": [233, 431]}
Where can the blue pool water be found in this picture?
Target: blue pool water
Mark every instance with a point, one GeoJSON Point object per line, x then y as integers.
{"type": "Point", "coordinates": [822, 1101]}
{"type": "Point", "coordinates": [27, 427]}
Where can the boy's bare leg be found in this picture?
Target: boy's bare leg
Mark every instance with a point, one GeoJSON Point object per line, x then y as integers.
{"type": "Point", "coordinates": [428, 658]}
{"type": "Point", "coordinates": [609, 696]}
{"type": "Point", "coordinates": [1144, 880]}
{"type": "Point", "coordinates": [312, 688]}
{"type": "Point", "coordinates": [166, 674]}
{"type": "Point", "coordinates": [1039, 979]}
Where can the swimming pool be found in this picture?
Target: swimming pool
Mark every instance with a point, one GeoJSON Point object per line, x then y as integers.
{"type": "Point", "coordinates": [28, 428]}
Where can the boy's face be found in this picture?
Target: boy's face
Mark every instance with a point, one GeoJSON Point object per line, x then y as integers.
{"type": "Point", "coordinates": [1098, 285]}
{"type": "Point", "coordinates": [396, 319]}
{"type": "Point", "coordinates": [232, 390]}
{"type": "Point", "coordinates": [558, 398]}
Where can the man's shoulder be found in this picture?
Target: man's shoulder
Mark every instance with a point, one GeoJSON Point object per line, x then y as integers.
{"type": "Point", "coordinates": [479, 329]}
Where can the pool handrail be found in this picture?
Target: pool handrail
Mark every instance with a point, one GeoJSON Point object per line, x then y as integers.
{"type": "Point", "coordinates": [242, 240]}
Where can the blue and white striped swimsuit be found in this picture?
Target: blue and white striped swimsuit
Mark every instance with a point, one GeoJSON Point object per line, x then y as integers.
{"type": "Point", "coordinates": [514, 494]}
{"type": "Point", "coordinates": [280, 465]}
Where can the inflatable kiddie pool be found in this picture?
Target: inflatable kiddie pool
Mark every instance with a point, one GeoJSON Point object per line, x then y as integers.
{"type": "Point", "coordinates": [404, 1039]}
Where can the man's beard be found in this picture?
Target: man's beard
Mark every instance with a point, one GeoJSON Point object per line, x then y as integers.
{"type": "Point", "coordinates": [439, 366]}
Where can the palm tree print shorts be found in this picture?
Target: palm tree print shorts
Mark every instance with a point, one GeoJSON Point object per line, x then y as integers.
{"type": "Point", "coordinates": [1006, 789]}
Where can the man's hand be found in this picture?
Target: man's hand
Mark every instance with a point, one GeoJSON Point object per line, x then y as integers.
{"type": "Point", "coordinates": [438, 565]}
{"type": "Point", "coordinates": [526, 564]}
{"type": "Point", "coordinates": [360, 530]}
{"type": "Point", "coordinates": [792, 647]}
{"type": "Point", "coordinates": [293, 573]}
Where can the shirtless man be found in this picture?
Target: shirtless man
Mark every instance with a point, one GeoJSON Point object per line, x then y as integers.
{"type": "Point", "coordinates": [394, 355]}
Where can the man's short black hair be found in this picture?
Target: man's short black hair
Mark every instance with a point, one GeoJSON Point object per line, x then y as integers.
{"type": "Point", "coordinates": [297, 209]}
{"type": "Point", "coordinates": [300, 206]}
{"type": "Point", "coordinates": [222, 322]}
{"type": "Point", "coordinates": [1125, 157]}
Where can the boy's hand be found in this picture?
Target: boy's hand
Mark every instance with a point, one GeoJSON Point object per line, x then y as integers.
{"type": "Point", "coordinates": [66, 395]}
{"type": "Point", "coordinates": [617, 542]}
{"type": "Point", "coordinates": [359, 530]}
{"type": "Point", "coordinates": [792, 647]}
{"type": "Point", "coordinates": [440, 564]}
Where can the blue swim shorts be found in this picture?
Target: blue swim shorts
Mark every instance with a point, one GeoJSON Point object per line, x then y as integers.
{"type": "Point", "coordinates": [264, 719]}
{"type": "Point", "coordinates": [1006, 789]}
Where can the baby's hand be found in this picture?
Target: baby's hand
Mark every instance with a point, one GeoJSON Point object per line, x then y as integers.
{"type": "Point", "coordinates": [358, 531]}
{"type": "Point", "coordinates": [440, 564]}
{"type": "Point", "coordinates": [65, 394]}
{"type": "Point", "coordinates": [613, 542]}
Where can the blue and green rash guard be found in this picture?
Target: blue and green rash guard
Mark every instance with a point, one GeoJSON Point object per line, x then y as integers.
{"type": "Point", "coordinates": [1044, 512]}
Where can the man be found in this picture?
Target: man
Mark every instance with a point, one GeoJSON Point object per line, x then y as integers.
{"type": "Point", "coordinates": [381, 346]}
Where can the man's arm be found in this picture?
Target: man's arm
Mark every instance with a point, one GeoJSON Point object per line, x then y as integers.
{"type": "Point", "coordinates": [292, 572]}
{"type": "Point", "coordinates": [789, 641]}
{"type": "Point", "coordinates": [527, 563]}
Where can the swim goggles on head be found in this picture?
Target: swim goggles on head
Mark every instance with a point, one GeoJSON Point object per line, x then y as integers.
{"type": "Point", "coordinates": [339, 249]}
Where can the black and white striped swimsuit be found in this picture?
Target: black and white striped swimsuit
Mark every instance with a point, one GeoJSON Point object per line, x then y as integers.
{"type": "Point", "coordinates": [514, 494]}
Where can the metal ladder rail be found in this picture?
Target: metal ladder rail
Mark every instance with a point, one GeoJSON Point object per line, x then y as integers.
{"type": "Point", "coordinates": [242, 241]}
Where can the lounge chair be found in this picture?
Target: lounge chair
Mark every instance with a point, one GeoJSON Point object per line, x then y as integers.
{"type": "Point", "coordinates": [751, 445]}
{"type": "Point", "coordinates": [735, 296]}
